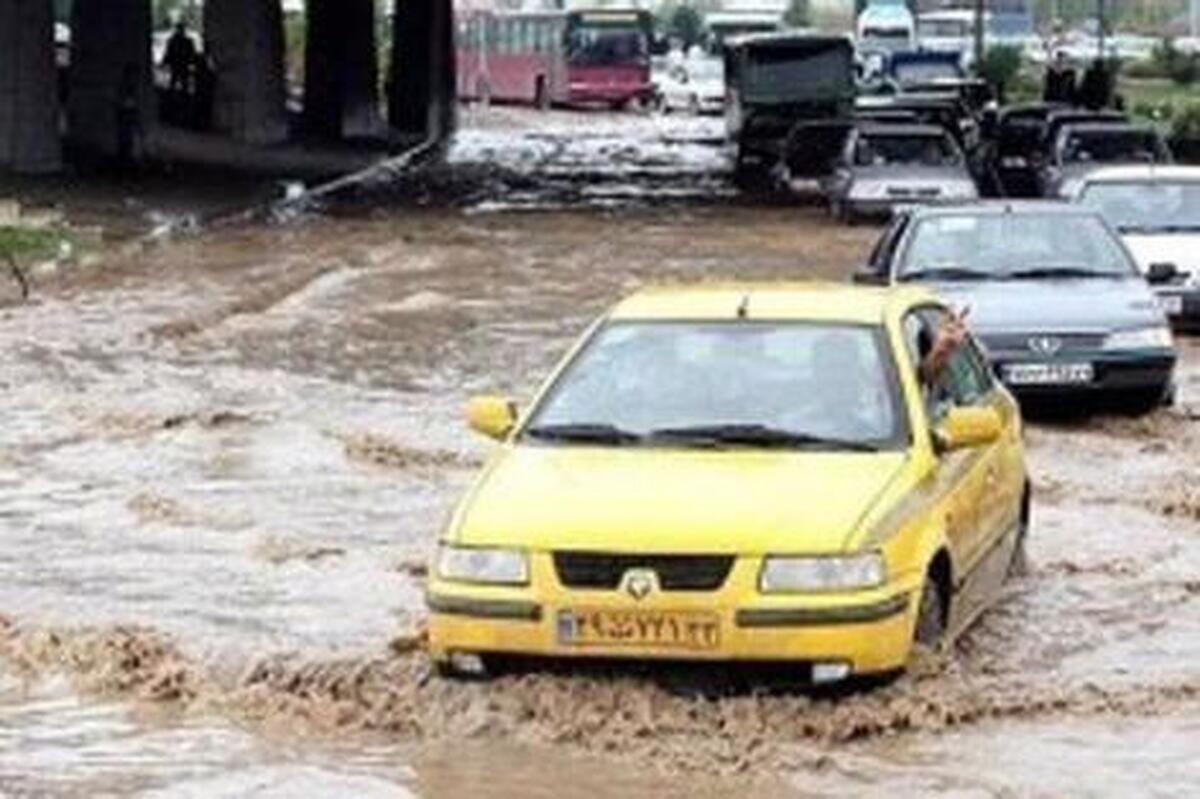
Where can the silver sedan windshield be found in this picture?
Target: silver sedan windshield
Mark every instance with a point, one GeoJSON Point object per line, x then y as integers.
{"type": "Point", "coordinates": [1013, 245]}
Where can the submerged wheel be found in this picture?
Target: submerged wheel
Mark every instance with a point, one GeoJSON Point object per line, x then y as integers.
{"type": "Point", "coordinates": [1019, 563]}
{"type": "Point", "coordinates": [841, 212]}
{"type": "Point", "coordinates": [1143, 401]}
{"type": "Point", "coordinates": [541, 94]}
{"type": "Point", "coordinates": [931, 616]}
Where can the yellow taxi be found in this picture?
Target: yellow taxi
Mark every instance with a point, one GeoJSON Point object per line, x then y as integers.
{"type": "Point", "coordinates": [751, 472]}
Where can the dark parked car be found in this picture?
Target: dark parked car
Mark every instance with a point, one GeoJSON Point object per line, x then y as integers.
{"type": "Point", "coordinates": [1054, 296]}
{"type": "Point", "coordinates": [1082, 148]}
{"type": "Point", "coordinates": [1059, 118]}
{"type": "Point", "coordinates": [945, 109]}
{"type": "Point", "coordinates": [1015, 142]}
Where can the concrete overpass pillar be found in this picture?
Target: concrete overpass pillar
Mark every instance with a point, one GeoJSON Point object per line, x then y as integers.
{"type": "Point", "coordinates": [341, 74]}
{"type": "Point", "coordinates": [29, 140]}
{"type": "Point", "coordinates": [422, 79]}
{"type": "Point", "coordinates": [244, 40]}
{"type": "Point", "coordinates": [111, 108]}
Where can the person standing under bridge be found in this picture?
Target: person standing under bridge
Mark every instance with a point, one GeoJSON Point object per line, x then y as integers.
{"type": "Point", "coordinates": [180, 60]}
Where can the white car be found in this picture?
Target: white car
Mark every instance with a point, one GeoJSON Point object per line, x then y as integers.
{"type": "Point", "coordinates": [696, 86]}
{"type": "Point", "coordinates": [1156, 209]}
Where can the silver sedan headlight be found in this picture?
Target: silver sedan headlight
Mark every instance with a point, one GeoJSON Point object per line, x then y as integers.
{"type": "Point", "coordinates": [1142, 338]}
{"type": "Point", "coordinates": [962, 190]}
{"type": "Point", "coordinates": [822, 573]}
{"type": "Point", "coordinates": [482, 565]}
{"type": "Point", "coordinates": [864, 190]}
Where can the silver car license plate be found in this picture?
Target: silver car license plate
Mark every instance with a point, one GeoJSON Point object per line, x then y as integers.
{"type": "Point", "coordinates": [1048, 374]}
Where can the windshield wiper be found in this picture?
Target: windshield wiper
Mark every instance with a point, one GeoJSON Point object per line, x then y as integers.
{"type": "Point", "coordinates": [1056, 271]}
{"type": "Point", "coordinates": [1152, 229]}
{"type": "Point", "coordinates": [756, 435]}
{"type": "Point", "coordinates": [947, 273]}
{"type": "Point", "coordinates": [583, 432]}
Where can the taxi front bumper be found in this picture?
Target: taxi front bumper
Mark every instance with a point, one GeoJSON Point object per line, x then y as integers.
{"type": "Point", "coordinates": [869, 631]}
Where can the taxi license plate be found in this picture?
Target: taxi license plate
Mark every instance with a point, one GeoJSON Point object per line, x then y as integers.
{"type": "Point", "coordinates": [1172, 305]}
{"type": "Point", "coordinates": [684, 630]}
{"type": "Point", "coordinates": [1048, 374]}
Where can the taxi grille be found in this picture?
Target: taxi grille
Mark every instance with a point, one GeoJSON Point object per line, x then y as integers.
{"type": "Point", "coordinates": [603, 571]}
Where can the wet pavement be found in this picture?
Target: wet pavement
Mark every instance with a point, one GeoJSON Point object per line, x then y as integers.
{"type": "Point", "coordinates": [225, 459]}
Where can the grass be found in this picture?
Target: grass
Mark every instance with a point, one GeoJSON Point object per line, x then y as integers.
{"type": "Point", "coordinates": [30, 244]}
{"type": "Point", "coordinates": [1156, 93]}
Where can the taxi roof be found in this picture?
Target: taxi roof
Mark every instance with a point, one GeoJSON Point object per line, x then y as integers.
{"type": "Point", "coordinates": [793, 301]}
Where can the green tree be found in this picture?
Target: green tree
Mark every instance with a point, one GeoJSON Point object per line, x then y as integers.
{"type": "Point", "coordinates": [797, 14]}
{"type": "Point", "coordinates": [686, 25]}
{"type": "Point", "coordinates": [1000, 67]}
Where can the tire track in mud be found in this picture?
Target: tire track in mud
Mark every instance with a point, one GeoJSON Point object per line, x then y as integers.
{"type": "Point", "coordinates": [394, 695]}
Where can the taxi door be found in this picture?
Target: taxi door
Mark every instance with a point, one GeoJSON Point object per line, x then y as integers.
{"type": "Point", "coordinates": [967, 478]}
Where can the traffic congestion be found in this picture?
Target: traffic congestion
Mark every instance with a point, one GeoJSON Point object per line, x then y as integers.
{"type": "Point", "coordinates": [795, 413]}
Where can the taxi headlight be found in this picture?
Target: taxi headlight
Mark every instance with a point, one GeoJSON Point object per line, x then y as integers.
{"type": "Point", "coordinates": [482, 565]}
{"type": "Point", "coordinates": [1140, 338]}
{"type": "Point", "coordinates": [832, 573]}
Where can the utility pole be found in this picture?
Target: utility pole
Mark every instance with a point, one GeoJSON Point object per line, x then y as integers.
{"type": "Point", "coordinates": [979, 34]}
{"type": "Point", "coordinates": [1102, 21]}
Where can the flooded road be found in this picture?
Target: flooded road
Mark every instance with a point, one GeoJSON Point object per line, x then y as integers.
{"type": "Point", "coordinates": [225, 460]}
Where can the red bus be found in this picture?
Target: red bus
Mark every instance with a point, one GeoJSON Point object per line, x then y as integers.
{"type": "Point", "coordinates": [555, 57]}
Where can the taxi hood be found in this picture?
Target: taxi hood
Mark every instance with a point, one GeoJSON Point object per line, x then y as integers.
{"type": "Point", "coordinates": [643, 500]}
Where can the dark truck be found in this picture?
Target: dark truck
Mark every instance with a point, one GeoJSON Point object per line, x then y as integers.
{"type": "Point", "coordinates": [777, 86]}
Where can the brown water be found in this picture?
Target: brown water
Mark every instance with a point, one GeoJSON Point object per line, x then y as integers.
{"type": "Point", "coordinates": [224, 460]}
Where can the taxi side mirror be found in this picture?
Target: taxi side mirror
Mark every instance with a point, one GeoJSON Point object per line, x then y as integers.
{"type": "Point", "coordinates": [964, 428]}
{"type": "Point", "coordinates": [492, 416]}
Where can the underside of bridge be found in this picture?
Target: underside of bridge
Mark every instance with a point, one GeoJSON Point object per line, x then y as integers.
{"type": "Point", "coordinates": [102, 98]}
{"type": "Point", "coordinates": [29, 113]}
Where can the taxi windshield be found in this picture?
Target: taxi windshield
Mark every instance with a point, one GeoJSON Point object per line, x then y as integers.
{"type": "Point", "coordinates": [760, 384]}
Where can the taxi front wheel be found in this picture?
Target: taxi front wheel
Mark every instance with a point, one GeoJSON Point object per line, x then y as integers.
{"type": "Point", "coordinates": [931, 616]}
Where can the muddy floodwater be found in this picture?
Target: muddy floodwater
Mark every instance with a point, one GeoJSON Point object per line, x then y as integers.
{"type": "Point", "coordinates": [225, 457]}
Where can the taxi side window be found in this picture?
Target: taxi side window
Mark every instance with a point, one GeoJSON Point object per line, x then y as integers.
{"type": "Point", "coordinates": [966, 380]}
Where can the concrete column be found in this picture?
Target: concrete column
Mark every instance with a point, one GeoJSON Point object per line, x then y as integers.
{"type": "Point", "coordinates": [29, 140]}
{"type": "Point", "coordinates": [341, 75]}
{"type": "Point", "coordinates": [111, 83]}
{"type": "Point", "coordinates": [244, 40]}
{"type": "Point", "coordinates": [422, 79]}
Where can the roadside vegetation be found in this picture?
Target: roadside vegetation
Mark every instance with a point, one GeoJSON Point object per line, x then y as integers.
{"type": "Point", "coordinates": [33, 244]}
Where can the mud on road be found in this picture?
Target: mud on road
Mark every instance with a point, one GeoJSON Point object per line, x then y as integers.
{"type": "Point", "coordinates": [225, 460]}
